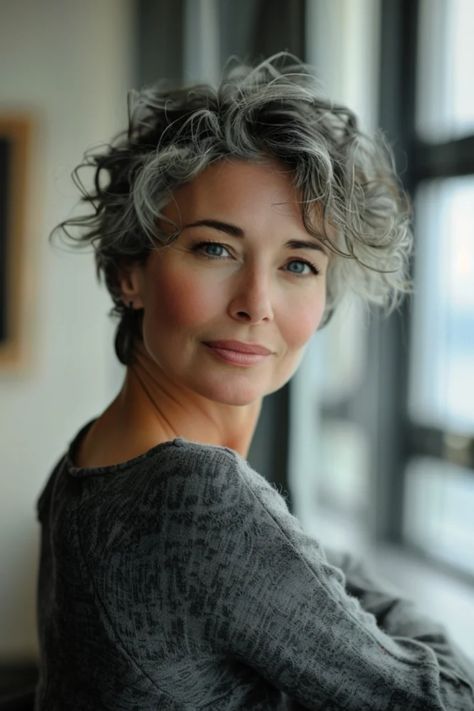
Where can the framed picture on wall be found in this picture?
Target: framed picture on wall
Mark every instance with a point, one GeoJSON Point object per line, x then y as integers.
{"type": "Point", "coordinates": [15, 134]}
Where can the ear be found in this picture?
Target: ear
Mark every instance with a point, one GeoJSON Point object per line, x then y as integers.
{"type": "Point", "coordinates": [131, 280]}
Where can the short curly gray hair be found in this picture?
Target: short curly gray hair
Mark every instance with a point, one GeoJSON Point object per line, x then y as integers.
{"type": "Point", "coordinates": [272, 110]}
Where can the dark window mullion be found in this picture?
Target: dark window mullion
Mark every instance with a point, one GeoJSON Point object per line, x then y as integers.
{"type": "Point", "coordinates": [389, 338]}
{"type": "Point", "coordinates": [437, 443]}
{"type": "Point", "coordinates": [443, 160]}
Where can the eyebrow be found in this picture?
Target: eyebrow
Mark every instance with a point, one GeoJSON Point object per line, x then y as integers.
{"type": "Point", "coordinates": [235, 231]}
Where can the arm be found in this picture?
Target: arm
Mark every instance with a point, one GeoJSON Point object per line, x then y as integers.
{"type": "Point", "coordinates": [279, 606]}
{"type": "Point", "coordinates": [396, 615]}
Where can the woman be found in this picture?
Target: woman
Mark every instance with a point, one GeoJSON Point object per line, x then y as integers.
{"type": "Point", "coordinates": [228, 224]}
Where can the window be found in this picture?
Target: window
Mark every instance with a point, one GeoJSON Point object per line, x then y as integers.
{"type": "Point", "coordinates": [445, 58]}
{"type": "Point", "coordinates": [396, 449]}
{"type": "Point", "coordinates": [434, 127]}
{"type": "Point", "coordinates": [442, 357]}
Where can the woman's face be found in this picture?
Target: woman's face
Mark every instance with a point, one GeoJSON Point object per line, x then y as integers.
{"type": "Point", "coordinates": [243, 269]}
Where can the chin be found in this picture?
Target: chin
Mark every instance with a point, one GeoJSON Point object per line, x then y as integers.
{"type": "Point", "coordinates": [240, 393]}
{"type": "Point", "coordinates": [236, 394]}
{"type": "Point", "coordinates": [238, 399]}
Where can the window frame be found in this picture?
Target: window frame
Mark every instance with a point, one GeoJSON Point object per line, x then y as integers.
{"type": "Point", "coordinates": [401, 438]}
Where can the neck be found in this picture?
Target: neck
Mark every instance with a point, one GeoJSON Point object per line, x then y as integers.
{"type": "Point", "coordinates": [158, 410]}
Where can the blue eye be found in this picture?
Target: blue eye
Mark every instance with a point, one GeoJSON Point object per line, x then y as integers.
{"type": "Point", "coordinates": [212, 250]}
{"type": "Point", "coordinates": [302, 263]}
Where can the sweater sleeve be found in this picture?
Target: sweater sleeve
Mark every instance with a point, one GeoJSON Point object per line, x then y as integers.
{"type": "Point", "coordinates": [397, 615]}
{"type": "Point", "coordinates": [277, 604]}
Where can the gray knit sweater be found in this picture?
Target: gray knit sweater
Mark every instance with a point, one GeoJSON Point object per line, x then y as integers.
{"type": "Point", "coordinates": [180, 581]}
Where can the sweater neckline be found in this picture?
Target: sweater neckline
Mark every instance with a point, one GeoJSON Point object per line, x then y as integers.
{"type": "Point", "coordinates": [77, 471]}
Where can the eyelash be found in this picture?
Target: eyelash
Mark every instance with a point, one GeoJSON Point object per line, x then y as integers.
{"type": "Point", "coordinates": [199, 246]}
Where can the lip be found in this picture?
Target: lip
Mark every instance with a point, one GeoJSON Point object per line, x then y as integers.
{"type": "Point", "coordinates": [239, 347]}
{"type": "Point", "coordinates": [237, 353]}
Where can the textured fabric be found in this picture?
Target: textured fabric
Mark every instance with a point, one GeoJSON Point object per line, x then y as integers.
{"type": "Point", "coordinates": [180, 581]}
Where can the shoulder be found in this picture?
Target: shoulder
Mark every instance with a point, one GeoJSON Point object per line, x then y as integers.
{"type": "Point", "coordinates": [176, 492]}
{"type": "Point", "coordinates": [174, 486]}
{"type": "Point", "coordinates": [224, 472]}
{"type": "Point", "coordinates": [223, 496]}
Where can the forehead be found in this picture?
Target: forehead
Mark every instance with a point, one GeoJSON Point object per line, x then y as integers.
{"type": "Point", "coordinates": [240, 188]}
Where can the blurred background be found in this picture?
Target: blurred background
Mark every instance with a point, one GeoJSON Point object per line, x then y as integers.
{"type": "Point", "coordinates": [372, 442]}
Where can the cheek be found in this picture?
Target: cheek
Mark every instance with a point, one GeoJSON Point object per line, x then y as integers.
{"type": "Point", "coordinates": [181, 300]}
{"type": "Point", "coordinates": [302, 321]}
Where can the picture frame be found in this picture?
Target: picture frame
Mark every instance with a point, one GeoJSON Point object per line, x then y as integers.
{"type": "Point", "coordinates": [15, 134]}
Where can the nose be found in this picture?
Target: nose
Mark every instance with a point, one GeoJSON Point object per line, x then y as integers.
{"type": "Point", "coordinates": [252, 300]}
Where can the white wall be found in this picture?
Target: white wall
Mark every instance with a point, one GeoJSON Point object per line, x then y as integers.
{"type": "Point", "coordinates": [68, 64]}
